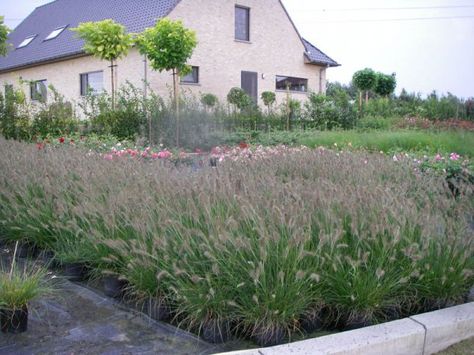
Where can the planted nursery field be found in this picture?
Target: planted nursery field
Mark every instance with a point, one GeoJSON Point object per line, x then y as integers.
{"type": "Point", "coordinates": [270, 245]}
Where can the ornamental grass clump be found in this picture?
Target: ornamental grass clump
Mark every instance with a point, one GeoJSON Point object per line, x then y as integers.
{"type": "Point", "coordinates": [281, 242]}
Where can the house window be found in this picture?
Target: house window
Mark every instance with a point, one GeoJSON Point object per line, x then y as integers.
{"type": "Point", "coordinates": [92, 83]}
{"type": "Point", "coordinates": [26, 41]}
{"type": "Point", "coordinates": [39, 90]}
{"type": "Point", "coordinates": [192, 77]}
{"type": "Point", "coordinates": [242, 23]}
{"type": "Point", "coordinates": [8, 90]}
{"type": "Point", "coordinates": [55, 33]}
{"type": "Point", "coordinates": [292, 84]}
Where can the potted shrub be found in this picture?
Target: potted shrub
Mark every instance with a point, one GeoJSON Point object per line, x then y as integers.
{"type": "Point", "coordinates": [18, 287]}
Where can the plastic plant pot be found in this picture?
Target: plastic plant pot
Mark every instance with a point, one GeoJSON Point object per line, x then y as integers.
{"type": "Point", "coordinates": [270, 336]}
{"type": "Point", "coordinates": [113, 286]}
{"type": "Point", "coordinates": [311, 321]}
{"type": "Point", "coordinates": [14, 321]}
{"type": "Point", "coordinates": [216, 332]}
{"type": "Point", "coordinates": [75, 271]}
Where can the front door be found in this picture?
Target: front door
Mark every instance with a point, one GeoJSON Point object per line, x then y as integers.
{"type": "Point", "coordinates": [249, 83]}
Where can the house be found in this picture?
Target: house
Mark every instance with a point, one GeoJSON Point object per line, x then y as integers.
{"type": "Point", "coordinates": [251, 44]}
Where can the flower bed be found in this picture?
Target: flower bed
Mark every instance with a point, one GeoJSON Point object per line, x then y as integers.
{"type": "Point", "coordinates": [274, 242]}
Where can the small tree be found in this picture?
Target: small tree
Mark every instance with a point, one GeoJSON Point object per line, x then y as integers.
{"type": "Point", "coordinates": [168, 46]}
{"type": "Point", "coordinates": [239, 98]}
{"type": "Point", "coordinates": [209, 100]}
{"type": "Point", "coordinates": [3, 38]}
{"type": "Point", "coordinates": [364, 80]}
{"type": "Point", "coordinates": [385, 84]}
{"type": "Point", "coordinates": [106, 40]}
{"type": "Point", "coordinates": [269, 99]}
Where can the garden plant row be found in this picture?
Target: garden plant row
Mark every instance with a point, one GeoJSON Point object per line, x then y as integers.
{"type": "Point", "coordinates": [267, 247]}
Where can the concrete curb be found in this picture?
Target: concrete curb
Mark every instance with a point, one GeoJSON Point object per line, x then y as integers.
{"type": "Point", "coordinates": [423, 334]}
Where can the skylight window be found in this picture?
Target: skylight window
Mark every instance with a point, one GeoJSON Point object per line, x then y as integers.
{"type": "Point", "coordinates": [55, 33]}
{"type": "Point", "coordinates": [26, 41]}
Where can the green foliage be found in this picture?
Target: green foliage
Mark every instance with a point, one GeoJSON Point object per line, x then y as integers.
{"type": "Point", "coordinates": [19, 286]}
{"type": "Point", "coordinates": [213, 244]}
{"type": "Point", "coordinates": [239, 98]}
{"type": "Point", "coordinates": [55, 118]}
{"type": "Point", "coordinates": [15, 116]}
{"type": "Point", "coordinates": [330, 113]}
{"type": "Point", "coordinates": [385, 84]}
{"type": "Point", "coordinates": [365, 79]}
{"type": "Point", "coordinates": [268, 98]}
{"type": "Point", "coordinates": [209, 100]}
{"type": "Point", "coordinates": [168, 45]}
{"type": "Point", "coordinates": [126, 120]}
{"type": "Point", "coordinates": [3, 37]}
{"type": "Point", "coordinates": [105, 39]}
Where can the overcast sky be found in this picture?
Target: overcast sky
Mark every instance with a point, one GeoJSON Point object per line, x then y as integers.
{"type": "Point", "coordinates": [428, 43]}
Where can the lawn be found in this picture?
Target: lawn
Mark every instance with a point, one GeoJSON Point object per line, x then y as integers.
{"type": "Point", "coordinates": [424, 141]}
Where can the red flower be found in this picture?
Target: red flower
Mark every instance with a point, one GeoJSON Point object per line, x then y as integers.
{"type": "Point", "coordinates": [39, 146]}
{"type": "Point", "coordinates": [61, 140]}
{"type": "Point", "coordinates": [243, 145]}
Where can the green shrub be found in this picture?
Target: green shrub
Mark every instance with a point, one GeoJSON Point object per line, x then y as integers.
{"type": "Point", "coordinates": [239, 98]}
{"type": "Point", "coordinates": [54, 118]}
{"type": "Point", "coordinates": [209, 100]}
{"type": "Point", "coordinates": [327, 113]}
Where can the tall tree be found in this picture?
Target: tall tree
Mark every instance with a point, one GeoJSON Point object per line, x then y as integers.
{"type": "Point", "coordinates": [4, 30]}
{"type": "Point", "coordinates": [168, 46]}
{"type": "Point", "coordinates": [364, 80]}
{"type": "Point", "coordinates": [106, 40]}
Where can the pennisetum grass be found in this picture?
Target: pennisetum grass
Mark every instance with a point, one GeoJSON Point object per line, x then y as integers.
{"type": "Point", "coordinates": [255, 247]}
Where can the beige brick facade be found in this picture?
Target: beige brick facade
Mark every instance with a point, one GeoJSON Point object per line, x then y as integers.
{"type": "Point", "coordinates": [274, 49]}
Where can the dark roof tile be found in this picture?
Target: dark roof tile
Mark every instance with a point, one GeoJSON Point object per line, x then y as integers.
{"type": "Point", "coordinates": [135, 15]}
{"type": "Point", "coordinates": [316, 56]}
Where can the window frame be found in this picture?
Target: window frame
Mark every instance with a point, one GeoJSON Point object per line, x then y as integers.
{"type": "Point", "coordinates": [247, 9]}
{"type": "Point", "coordinates": [193, 82]}
{"type": "Point", "coordinates": [306, 89]}
{"type": "Point", "coordinates": [27, 41]}
{"type": "Point", "coordinates": [37, 96]}
{"type": "Point", "coordinates": [60, 29]}
{"type": "Point", "coordinates": [84, 91]}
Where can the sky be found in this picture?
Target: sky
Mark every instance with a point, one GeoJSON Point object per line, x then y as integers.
{"type": "Point", "coordinates": [429, 44]}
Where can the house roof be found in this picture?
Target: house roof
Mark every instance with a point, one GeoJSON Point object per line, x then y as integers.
{"type": "Point", "coordinates": [135, 15]}
{"type": "Point", "coordinates": [316, 56]}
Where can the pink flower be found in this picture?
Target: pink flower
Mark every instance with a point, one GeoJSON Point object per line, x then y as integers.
{"type": "Point", "coordinates": [454, 156]}
{"type": "Point", "coordinates": [155, 155]}
{"type": "Point", "coordinates": [438, 157]}
{"type": "Point", "coordinates": [164, 154]}
{"type": "Point", "coordinates": [145, 154]}
{"type": "Point", "coordinates": [109, 157]}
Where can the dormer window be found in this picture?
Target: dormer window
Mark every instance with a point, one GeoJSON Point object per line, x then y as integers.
{"type": "Point", "coordinates": [26, 41]}
{"type": "Point", "coordinates": [55, 33]}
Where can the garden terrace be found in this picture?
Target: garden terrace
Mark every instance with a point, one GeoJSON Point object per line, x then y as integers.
{"type": "Point", "coordinates": [266, 247]}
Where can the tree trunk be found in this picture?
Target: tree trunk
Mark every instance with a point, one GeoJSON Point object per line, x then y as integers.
{"type": "Point", "coordinates": [112, 79]}
{"type": "Point", "coordinates": [176, 102]}
{"type": "Point", "coordinates": [366, 96]}
{"type": "Point", "coordinates": [360, 103]}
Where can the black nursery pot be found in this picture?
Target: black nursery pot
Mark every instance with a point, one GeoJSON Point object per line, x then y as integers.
{"type": "Point", "coordinates": [155, 308]}
{"type": "Point", "coordinates": [113, 286]}
{"type": "Point", "coordinates": [14, 321]}
{"type": "Point", "coordinates": [270, 337]}
{"type": "Point", "coordinates": [357, 323]}
{"type": "Point", "coordinates": [26, 250]}
{"type": "Point", "coordinates": [216, 332]}
{"type": "Point", "coordinates": [75, 271]}
{"type": "Point", "coordinates": [311, 321]}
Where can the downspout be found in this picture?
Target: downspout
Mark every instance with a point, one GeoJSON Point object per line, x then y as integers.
{"type": "Point", "coordinates": [145, 77]}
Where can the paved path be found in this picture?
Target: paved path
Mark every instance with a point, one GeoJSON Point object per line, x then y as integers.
{"type": "Point", "coordinates": [77, 320]}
